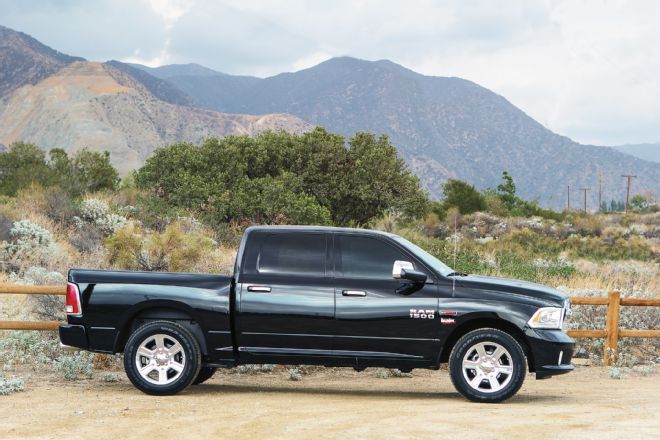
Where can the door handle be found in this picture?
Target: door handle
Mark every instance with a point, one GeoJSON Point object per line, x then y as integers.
{"type": "Point", "coordinates": [354, 293]}
{"type": "Point", "coordinates": [265, 289]}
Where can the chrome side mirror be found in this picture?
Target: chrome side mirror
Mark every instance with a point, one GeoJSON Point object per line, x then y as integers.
{"type": "Point", "coordinates": [398, 265]}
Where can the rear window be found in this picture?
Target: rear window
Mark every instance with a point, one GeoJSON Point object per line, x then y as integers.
{"type": "Point", "coordinates": [293, 253]}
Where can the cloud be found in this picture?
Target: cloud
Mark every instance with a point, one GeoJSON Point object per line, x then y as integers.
{"type": "Point", "coordinates": [584, 69]}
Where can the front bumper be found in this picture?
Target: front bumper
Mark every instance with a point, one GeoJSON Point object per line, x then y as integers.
{"type": "Point", "coordinates": [73, 336]}
{"type": "Point", "coordinates": [552, 351]}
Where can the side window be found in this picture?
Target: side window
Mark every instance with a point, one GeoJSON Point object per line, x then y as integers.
{"type": "Point", "coordinates": [366, 257]}
{"type": "Point", "coordinates": [293, 253]}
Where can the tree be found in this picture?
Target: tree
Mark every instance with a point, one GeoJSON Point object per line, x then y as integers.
{"type": "Point", "coordinates": [22, 165]}
{"type": "Point", "coordinates": [507, 191]}
{"type": "Point", "coordinates": [26, 163]}
{"type": "Point", "coordinates": [278, 177]}
{"type": "Point", "coordinates": [638, 203]}
{"type": "Point", "coordinates": [463, 196]}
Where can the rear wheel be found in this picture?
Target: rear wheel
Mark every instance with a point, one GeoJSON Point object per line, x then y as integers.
{"type": "Point", "coordinates": [487, 365]}
{"type": "Point", "coordinates": [205, 373]}
{"type": "Point", "coordinates": [162, 358]}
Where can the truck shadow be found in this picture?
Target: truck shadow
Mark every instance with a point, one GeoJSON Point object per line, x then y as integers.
{"type": "Point", "coordinates": [209, 389]}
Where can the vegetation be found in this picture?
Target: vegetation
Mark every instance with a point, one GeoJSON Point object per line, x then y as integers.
{"type": "Point", "coordinates": [186, 209]}
{"type": "Point", "coordinates": [313, 178]}
{"type": "Point", "coordinates": [24, 164]}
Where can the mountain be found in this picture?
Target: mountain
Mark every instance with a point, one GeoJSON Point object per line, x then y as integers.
{"type": "Point", "coordinates": [649, 152]}
{"type": "Point", "coordinates": [24, 60]}
{"type": "Point", "coordinates": [63, 101]}
{"type": "Point", "coordinates": [444, 127]}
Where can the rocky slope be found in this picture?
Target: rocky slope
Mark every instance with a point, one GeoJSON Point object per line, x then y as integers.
{"type": "Point", "coordinates": [54, 100]}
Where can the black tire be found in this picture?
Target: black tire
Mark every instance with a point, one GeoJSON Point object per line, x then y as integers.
{"type": "Point", "coordinates": [205, 373]}
{"type": "Point", "coordinates": [489, 381]}
{"type": "Point", "coordinates": [180, 363]}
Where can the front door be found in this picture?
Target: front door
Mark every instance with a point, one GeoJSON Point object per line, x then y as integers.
{"type": "Point", "coordinates": [285, 300]}
{"type": "Point", "coordinates": [377, 315]}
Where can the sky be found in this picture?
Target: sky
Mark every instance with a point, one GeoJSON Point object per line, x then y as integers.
{"type": "Point", "coordinates": [589, 70]}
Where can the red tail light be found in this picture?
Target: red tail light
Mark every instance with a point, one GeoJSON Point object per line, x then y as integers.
{"type": "Point", "coordinates": [73, 300]}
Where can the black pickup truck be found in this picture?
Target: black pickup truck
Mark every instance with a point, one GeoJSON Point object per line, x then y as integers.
{"type": "Point", "coordinates": [324, 296]}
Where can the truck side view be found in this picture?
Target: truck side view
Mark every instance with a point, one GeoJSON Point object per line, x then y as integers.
{"type": "Point", "coordinates": [322, 296]}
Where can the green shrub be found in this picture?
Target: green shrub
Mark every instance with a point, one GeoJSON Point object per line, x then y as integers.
{"type": "Point", "coordinates": [11, 385]}
{"type": "Point", "coordinates": [75, 366]}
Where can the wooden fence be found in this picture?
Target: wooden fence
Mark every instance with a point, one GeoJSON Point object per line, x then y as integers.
{"type": "Point", "coordinates": [611, 332]}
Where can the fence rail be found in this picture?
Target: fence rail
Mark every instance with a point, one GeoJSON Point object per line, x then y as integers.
{"type": "Point", "coordinates": [611, 333]}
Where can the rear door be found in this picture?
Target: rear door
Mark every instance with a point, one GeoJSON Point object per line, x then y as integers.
{"type": "Point", "coordinates": [377, 315]}
{"type": "Point", "coordinates": [285, 298]}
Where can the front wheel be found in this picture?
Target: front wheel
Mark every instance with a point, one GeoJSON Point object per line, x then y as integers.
{"type": "Point", "coordinates": [487, 365]}
{"type": "Point", "coordinates": [162, 358]}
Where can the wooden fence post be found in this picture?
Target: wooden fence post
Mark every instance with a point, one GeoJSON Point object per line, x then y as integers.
{"type": "Point", "coordinates": [612, 324]}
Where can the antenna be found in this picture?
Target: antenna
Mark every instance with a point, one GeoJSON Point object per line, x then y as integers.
{"type": "Point", "coordinates": [453, 279]}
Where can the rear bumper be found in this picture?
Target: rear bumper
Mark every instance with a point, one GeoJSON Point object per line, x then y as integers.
{"type": "Point", "coordinates": [552, 351]}
{"type": "Point", "coordinates": [73, 336]}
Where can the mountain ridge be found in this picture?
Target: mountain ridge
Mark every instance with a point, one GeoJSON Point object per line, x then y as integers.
{"type": "Point", "coordinates": [72, 103]}
{"type": "Point", "coordinates": [444, 127]}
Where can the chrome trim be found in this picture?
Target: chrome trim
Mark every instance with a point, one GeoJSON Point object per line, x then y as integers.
{"type": "Point", "coordinates": [264, 289]}
{"type": "Point", "coordinates": [353, 293]}
{"type": "Point", "coordinates": [561, 355]}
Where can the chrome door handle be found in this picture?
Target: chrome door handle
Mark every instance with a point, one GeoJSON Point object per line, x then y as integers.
{"type": "Point", "coordinates": [258, 289]}
{"type": "Point", "coordinates": [354, 293]}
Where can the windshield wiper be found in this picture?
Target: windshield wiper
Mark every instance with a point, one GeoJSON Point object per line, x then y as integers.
{"type": "Point", "coordinates": [457, 274]}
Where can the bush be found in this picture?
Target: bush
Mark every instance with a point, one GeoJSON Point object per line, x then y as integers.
{"type": "Point", "coordinates": [283, 178]}
{"type": "Point", "coordinates": [75, 366]}
{"type": "Point", "coordinates": [11, 385]}
{"type": "Point", "coordinates": [463, 196]}
{"type": "Point", "coordinates": [133, 248]}
{"type": "Point", "coordinates": [28, 242]}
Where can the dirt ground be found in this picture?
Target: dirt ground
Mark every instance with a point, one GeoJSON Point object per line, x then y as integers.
{"type": "Point", "coordinates": [583, 405]}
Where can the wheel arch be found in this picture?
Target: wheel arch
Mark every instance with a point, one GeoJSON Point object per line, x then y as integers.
{"type": "Point", "coordinates": [488, 322]}
{"type": "Point", "coordinates": [149, 311]}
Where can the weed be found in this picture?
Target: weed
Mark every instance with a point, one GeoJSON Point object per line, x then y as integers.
{"type": "Point", "coordinates": [11, 385]}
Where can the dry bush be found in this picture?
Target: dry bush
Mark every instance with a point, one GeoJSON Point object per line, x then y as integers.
{"type": "Point", "coordinates": [132, 247]}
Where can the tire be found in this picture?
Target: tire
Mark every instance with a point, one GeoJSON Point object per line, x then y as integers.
{"type": "Point", "coordinates": [487, 365]}
{"type": "Point", "coordinates": [205, 373]}
{"type": "Point", "coordinates": [169, 357]}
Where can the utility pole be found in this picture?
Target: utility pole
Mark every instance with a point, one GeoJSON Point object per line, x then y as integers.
{"type": "Point", "coordinates": [628, 190]}
{"type": "Point", "coordinates": [585, 197]}
{"type": "Point", "coordinates": [600, 190]}
{"type": "Point", "coordinates": [568, 198]}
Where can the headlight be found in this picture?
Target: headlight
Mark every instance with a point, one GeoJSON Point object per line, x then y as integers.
{"type": "Point", "coordinates": [547, 317]}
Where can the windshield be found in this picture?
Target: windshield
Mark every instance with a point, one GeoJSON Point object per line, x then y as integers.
{"type": "Point", "coordinates": [427, 258]}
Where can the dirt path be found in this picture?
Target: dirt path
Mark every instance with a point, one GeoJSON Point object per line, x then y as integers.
{"type": "Point", "coordinates": [585, 404]}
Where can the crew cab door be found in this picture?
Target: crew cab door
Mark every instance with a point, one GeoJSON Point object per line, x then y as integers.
{"type": "Point", "coordinates": [285, 299]}
{"type": "Point", "coordinates": [377, 315]}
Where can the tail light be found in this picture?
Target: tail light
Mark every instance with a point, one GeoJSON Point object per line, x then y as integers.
{"type": "Point", "coordinates": [73, 300]}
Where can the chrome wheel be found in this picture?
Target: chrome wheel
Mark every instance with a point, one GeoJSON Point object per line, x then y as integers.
{"type": "Point", "coordinates": [160, 359]}
{"type": "Point", "coordinates": [487, 367]}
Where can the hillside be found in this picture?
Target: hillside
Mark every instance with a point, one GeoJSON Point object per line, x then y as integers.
{"type": "Point", "coordinates": [650, 152]}
{"type": "Point", "coordinates": [62, 101]}
{"type": "Point", "coordinates": [24, 60]}
{"type": "Point", "coordinates": [444, 127]}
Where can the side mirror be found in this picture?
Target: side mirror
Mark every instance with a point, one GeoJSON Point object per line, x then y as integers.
{"type": "Point", "coordinates": [413, 275]}
{"type": "Point", "coordinates": [399, 265]}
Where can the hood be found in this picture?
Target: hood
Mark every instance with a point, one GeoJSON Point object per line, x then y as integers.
{"type": "Point", "coordinates": [517, 289]}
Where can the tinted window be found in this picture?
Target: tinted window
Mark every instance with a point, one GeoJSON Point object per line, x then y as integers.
{"type": "Point", "coordinates": [365, 257]}
{"type": "Point", "coordinates": [293, 253]}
